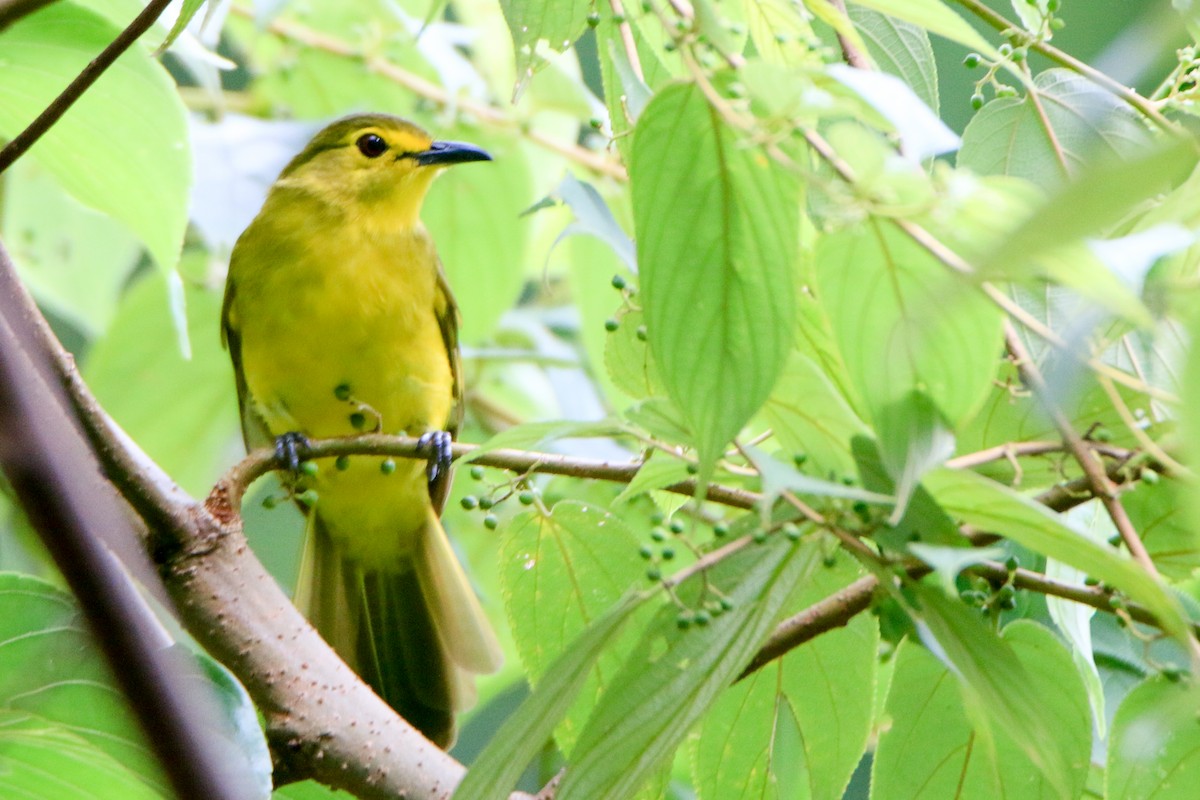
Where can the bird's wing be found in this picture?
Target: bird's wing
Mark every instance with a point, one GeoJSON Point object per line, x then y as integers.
{"type": "Point", "coordinates": [254, 429]}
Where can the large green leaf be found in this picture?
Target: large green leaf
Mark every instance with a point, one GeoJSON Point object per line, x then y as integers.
{"type": "Point", "coordinates": [934, 748]}
{"type": "Point", "coordinates": [935, 17]}
{"type": "Point", "coordinates": [797, 727]}
{"type": "Point", "coordinates": [1010, 136]}
{"type": "Point", "coordinates": [988, 506]}
{"type": "Point", "coordinates": [122, 148]}
{"type": "Point", "coordinates": [1154, 750]}
{"type": "Point", "coordinates": [560, 573]}
{"type": "Point", "coordinates": [674, 675]}
{"type": "Point", "coordinates": [900, 48]}
{"type": "Point", "coordinates": [41, 761]}
{"type": "Point", "coordinates": [718, 238]}
{"type": "Point", "coordinates": [557, 22]}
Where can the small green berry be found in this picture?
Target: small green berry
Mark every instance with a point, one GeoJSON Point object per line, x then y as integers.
{"type": "Point", "coordinates": [270, 501]}
{"type": "Point", "coordinates": [1058, 23]}
{"type": "Point", "coordinates": [799, 458]}
{"type": "Point", "coordinates": [486, 502]}
{"type": "Point", "coordinates": [342, 391]}
{"type": "Point", "coordinates": [341, 463]}
{"type": "Point", "coordinates": [1116, 602]}
{"type": "Point", "coordinates": [654, 574]}
{"type": "Point", "coordinates": [726, 604]}
{"type": "Point", "coordinates": [308, 497]}
{"type": "Point", "coordinates": [1090, 581]}
{"type": "Point", "coordinates": [657, 517]}
{"type": "Point", "coordinates": [668, 553]}
{"type": "Point", "coordinates": [593, 19]}
{"type": "Point", "coordinates": [1006, 91]}
{"type": "Point", "coordinates": [469, 502]}
{"type": "Point", "coordinates": [1115, 540]}
{"type": "Point", "coordinates": [476, 472]}
{"type": "Point", "coordinates": [675, 526]}
{"type": "Point", "coordinates": [619, 19]}
{"type": "Point", "coordinates": [1018, 55]}
{"type": "Point", "coordinates": [976, 101]}
{"type": "Point", "coordinates": [611, 324]}
{"type": "Point", "coordinates": [641, 333]}
{"type": "Point", "coordinates": [309, 468]}
{"type": "Point", "coordinates": [618, 282]}
{"type": "Point", "coordinates": [1008, 603]}
{"type": "Point", "coordinates": [646, 552]}
{"type": "Point", "coordinates": [692, 469]}
{"type": "Point", "coordinates": [358, 420]}
{"type": "Point", "coordinates": [1005, 49]}
{"type": "Point", "coordinates": [683, 621]}
{"type": "Point", "coordinates": [1006, 592]}
{"type": "Point", "coordinates": [1150, 476]}
{"type": "Point", "coordinates": [525, 498]}
{"type": "Point", "coordinates": [596, 123]}
{"type": "Point", "coordinates": [387, 466]}
{"type": "Point", "coordinates": [791, 531]}
{"type": "Point", "coordinates": [972, 60]}
{"type": "Point", "coordinates": [759, 536]}
{"type": "Point", "coordinates": [1012, 564]}
{"type": "Point", "coordinates": [720, 530]}
{"type": "Point", "coordinates": [490, 522]}
{"type": "Point", "coordinates": [658, 534]}
{"type": "Point", "coordinates": [1053, 5]}
{"type": "Point", "coordinates": [1101, 435]}
{"type": "Point", "coordinates": [703, 617]}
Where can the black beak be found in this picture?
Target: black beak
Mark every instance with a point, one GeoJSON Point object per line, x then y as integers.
{"type": "Point", "coordinates": [445, 153]}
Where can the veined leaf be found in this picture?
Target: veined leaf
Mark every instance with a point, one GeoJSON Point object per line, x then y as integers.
{"type": "Point", "coordinates": [523, 734]}
{"type": "Point", "coordinates": [134, 165]}
{"type": "Point", "coordinates": [900, 48]}
{"type": "Point", "coordinates": [558, 22]}
{"type": "Point", "coordinates": [1153, 751]}
{"type": "Point", "coordinates": [1009, 136]}
{"type": "Point", "coordinates": [935, 17]}
{"type": "Point", "coordinates": [797, 727]}
{"type": "Point", "coordinates": [987, 505]}
{"type": "Point", "coordinates": [560, 573]}
{"type": "Point", "coordinates": [674, 675]}
{"type": "Point", "coordinates": [718, 239]}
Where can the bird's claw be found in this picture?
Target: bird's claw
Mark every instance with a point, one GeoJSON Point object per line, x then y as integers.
{"type": "Point", "coordinates": [290, 449]}
{"type": "Point", "coordinates": [436, 445]}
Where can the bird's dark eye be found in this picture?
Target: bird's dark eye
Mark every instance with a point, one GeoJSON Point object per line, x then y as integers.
{"type": "Point", "coordinates": [371, 145]}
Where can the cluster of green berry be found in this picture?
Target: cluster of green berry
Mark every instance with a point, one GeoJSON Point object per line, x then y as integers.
{"type": "Point", "coordinates": [526, 495]}
{"type": "Point", "coordinates": [627, 292]}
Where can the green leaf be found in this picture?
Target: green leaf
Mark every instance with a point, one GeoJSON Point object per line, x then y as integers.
{"type": "Point", "coordinates": [134, 165]}
{"type": "Point", "coordinates": [797, 727]}
{"type": "Point", "coordinates": [810, 417]}
{"type": "Point", "coordinates": [987, 505]}
{"type": "Point", "coordinates": [904, 323]}
{"type": "Point", "coordinates": [1154, 749]}
{"type": "Point", "coordinates": [184, 411]}
{"type": "Point", "coordinates": [560, 573]}
{"type": "Point", "coordinates": [1159, 513]}
{"type": "Point", "coordinates": [935, 17]}
{"type": "Point", "coordinates": [308, 790]}
{"type": "Point", "coordinates": [628, 359]}
{"type": "Point", "coordinates": [657, 472]}
{"type": "Point", "coordinates": [74, 260]}
{"type": "Point", "coordinates": [1087, 206]}
{"type": "Point", "coordinates": [779, 33]}
{"type": "Point", "coordinates": [1009, 136]}
{"type": "Point", "coordinates": [934, 748]}
{"type": "Point", "coordinates": [593, 217]}
{"type": "Point", "coordinates": [557, 22]}
{"type": "Point", "coordinates": [536, 435]}
{"type": "Point", "coordinates": [1008, 696]}
{"type": "Point", "coordinates": [899, 48]}
{"type": "Point", "coordinates": [674, 675]}
{"type": "Point", "coordinates": [718, 238]}
{"type": "Point", "coordinates": [524, 733]}
{"type": "Point", "coordinates": [40, 761]}
{"type": "Point", "coordinates": [187, 10]}
{"type": "Point", "coordinates": [474, 217]}
{"type": "Point", "coordinates": [49, 668]}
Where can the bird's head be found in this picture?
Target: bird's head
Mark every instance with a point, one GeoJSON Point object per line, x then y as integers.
{"type": "Point", "coordinates": [375, 163]}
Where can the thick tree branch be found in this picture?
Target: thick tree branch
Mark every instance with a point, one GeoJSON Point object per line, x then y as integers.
{"type": "Point", "coordinates": [75, 89]}
{"type": "Point", "coordinates": [54, 481]}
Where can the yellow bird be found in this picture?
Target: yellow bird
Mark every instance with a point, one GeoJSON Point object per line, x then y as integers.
{"type": "Point", "coordinates": [339, 320]}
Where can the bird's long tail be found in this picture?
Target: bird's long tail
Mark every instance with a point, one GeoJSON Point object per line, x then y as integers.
{"type": "Point", "coordinates": [414, 631]}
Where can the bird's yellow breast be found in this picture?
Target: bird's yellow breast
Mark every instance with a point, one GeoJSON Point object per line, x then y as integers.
{"type": "Point", "coordinates": [339, 335]}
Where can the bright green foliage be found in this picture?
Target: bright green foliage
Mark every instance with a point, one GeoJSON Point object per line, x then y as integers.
{"type": "Point", "coordinates": [717, 240]}
{"type": "Point", "coordinates": [133, 165]}
{"type": "Point", "coordinates": [698, 256]}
